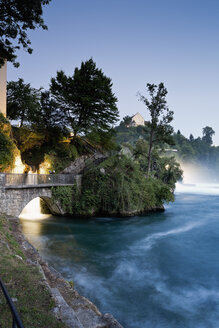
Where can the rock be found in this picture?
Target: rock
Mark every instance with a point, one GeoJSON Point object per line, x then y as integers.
{"type": "Point", "coordinates": [19, 257]}
{"type": "Point", "coordinates": [64, 312]}
{"type": "Point", "coordinates": [83, 163]}
{"type": "Point", "coordinates": [110, 321]}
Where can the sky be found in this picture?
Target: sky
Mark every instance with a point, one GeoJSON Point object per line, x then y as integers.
{"type": "Point", "coordinates": [135, 43]}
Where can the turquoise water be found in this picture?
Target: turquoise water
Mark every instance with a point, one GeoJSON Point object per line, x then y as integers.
{"type": "Point", "coordinates": [158, 270]}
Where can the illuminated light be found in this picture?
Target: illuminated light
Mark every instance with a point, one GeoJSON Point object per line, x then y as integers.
{"type": "Point", "coordinates": [32, 211]}
{"type": "Point", "coordinates": [19, 167]}
{"type": "Point", "coordinates": [167, 167]}
{"type": "Point", "coordinates": [45, 167]}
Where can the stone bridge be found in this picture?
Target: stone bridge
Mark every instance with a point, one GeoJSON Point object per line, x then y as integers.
{"type": "Point", "coordinates": [17, 190]}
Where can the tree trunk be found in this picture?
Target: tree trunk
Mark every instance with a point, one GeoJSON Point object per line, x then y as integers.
{"type": "Point", "coordinates": [22, 118]}
{"type": "Point", "coordinates": [74, 137]}
{"type": "Point", "coordinates": [150, 151]}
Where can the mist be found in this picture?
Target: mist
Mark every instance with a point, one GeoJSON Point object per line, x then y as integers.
{"type": "Point", "coordinates": [198, 179]}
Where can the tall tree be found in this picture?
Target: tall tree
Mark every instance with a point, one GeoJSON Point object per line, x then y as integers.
{"type": "Point", "coordinates": [86, 99]}
{"type": "Point", "coordinates": [208, 133]}
{"type": "Point", "coordinates": [16, 18]}
{"type": "Point", "coordinates": [22, 101]}
{"type": "Point", "coordinates": [160, 130]}
{"type": "Point", "coordinates": [47, 119]}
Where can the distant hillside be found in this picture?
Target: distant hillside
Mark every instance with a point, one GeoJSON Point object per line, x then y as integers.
{"type": "Point", "coordinates": [130, 134]}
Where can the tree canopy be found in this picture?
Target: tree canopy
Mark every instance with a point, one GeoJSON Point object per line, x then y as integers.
{"type": "Point", "coordinates": [161, 117]}
{"type": "Point", "coordinates": [22, 101]}
{"type": "Point", "coordinates": [85, 99]}
{"type": "Point", "coordinates": [16, 18]}
{"type": "Point", "coordinates": [208, 133]}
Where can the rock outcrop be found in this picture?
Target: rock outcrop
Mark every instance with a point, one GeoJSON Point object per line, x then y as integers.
{"type": "Point", "coordinates": [84, 162]}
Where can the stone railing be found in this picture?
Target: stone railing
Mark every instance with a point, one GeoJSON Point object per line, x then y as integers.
{"type": "Point", "coordinates": [11, 179]}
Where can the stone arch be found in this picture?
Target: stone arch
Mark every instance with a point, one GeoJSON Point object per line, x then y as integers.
{"type": "Point", "coordinates": [14, 199]}
{"type": "Point", "coordinates": [54, 208]}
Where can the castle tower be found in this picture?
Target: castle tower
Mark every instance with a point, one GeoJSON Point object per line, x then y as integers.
{"type": "Point", "coordinates": [3, 88]}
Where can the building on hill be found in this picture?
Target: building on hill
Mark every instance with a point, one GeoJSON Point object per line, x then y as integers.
{"type": "Point", "coordinates": [3, 88]}
{"type": "Point", "coordinates": [137, 120]}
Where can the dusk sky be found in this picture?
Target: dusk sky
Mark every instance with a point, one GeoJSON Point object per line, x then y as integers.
{"type": "Point", "coordinates": [135, 42]}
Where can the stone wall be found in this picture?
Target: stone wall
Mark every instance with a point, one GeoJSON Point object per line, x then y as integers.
{"type": "Point", "coordinates": [13, 200]}
{"type": "Point", "coordinates": [2, 179]}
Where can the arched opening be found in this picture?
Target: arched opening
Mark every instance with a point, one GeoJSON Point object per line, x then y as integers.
{"type": "Point", "coordinates": [33, 215]}
{"type": "Point", "coordinates": [37, 208]}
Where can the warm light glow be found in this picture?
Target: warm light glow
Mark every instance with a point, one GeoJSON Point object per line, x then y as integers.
{"type": "Point", "coordinates": [33, 211]}
{"type": "Point", "coordinates": [19, 167]}
{"type": "Point", "coordinates": [31, 217]}
{"type": "Point", "coordinates": [45, 167]}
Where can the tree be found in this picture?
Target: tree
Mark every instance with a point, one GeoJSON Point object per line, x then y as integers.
{"type": "Point", "coordinates": [126, 121]}
{"type": "Point", "coordinates": [191, 138]}
{"type": "Point", "coordinates": [160, 130]}
{"type": "Point", "coordinates": [22, 101]}
{"type": "Point", "coordinates": [16, 17]}
{"type": "Point", "coordinates": [6, 145]}
{"type": "Point", "coordinates": [208, 133]}
{"type": "Point", "coordinates": [85, 99]}
{"type": "Point", "coordinates": [47, 119]}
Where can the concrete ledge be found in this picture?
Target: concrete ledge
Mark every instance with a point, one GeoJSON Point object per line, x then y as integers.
{"type": "Point", "coordinates": [46, 185]}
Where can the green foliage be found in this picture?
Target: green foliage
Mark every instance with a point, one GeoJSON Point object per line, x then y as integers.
{"type": "Point", "coordinates": [168, 171]}
{"type": "Point", "coordinates": [198, 150]}
{"type": "Point", "coordinates": [61, 156]}
{"type": "Point", "coordinates": [126, 121]}
{"type": "Point", "coordinates": [161, 117]}
{"type": "Point", "coordinates": [64, 195]}
{"type": "Point", "coordinates": [141, 148]}
{"type": "Point", "coordinates": [7, 146]}
{"type": "Point", "coordinates": [6, 152]}
{"type": "Point", "coordinates": [164, 168]}
{"type": "Point", "coordinates": [3, 121]}
{"type": "Point", "coordinates": [104, 140]}
{"type": "Point", "coordinates": [85, 99]}
{"type": "Point", "coordinates": [16, 17]}
{"type": "Point", "coordinates": [131, 134]}
{"type": "Point", "coordinates": [22, 101]}
{"type": "Point", "coordinates": [48, 120]}
{"type": "Point", "coordinates": [208, 133]}
{"type": "Point", "coordinates": [116, 187]}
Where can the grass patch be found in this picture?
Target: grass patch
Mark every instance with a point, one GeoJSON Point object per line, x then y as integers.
{"type": "Point", "coordinates": [24, 283]}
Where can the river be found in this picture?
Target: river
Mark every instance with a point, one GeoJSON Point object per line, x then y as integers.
{"type": "Point", "coordinates": [157, 270]}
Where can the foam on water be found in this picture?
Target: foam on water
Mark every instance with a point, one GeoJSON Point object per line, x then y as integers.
{"type": "Point", "coordinates": [198, 188]}
{"type": "Point", "coordinates": [149, 241]}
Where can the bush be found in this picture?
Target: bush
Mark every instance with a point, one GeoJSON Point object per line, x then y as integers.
{"type": "Point", "coordinates": [115, 187]}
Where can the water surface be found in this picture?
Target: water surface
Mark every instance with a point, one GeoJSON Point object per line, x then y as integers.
{"type": "Point", "coordinates": [158, 270]}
